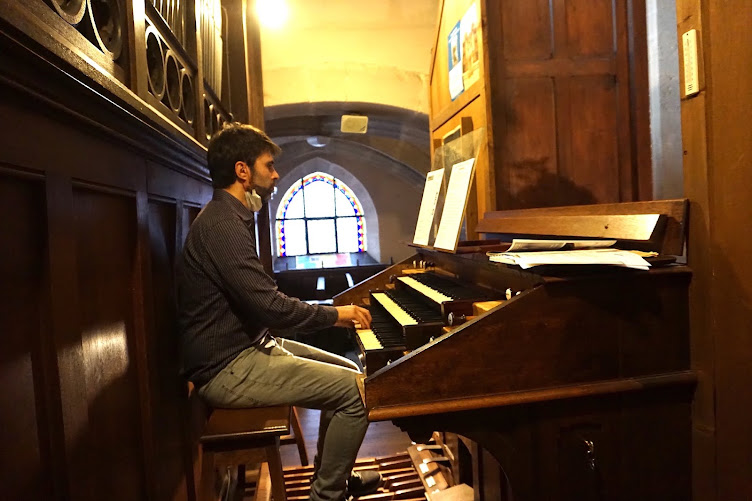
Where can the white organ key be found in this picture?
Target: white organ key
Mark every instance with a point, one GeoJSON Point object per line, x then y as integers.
{"type": "Point", "coordinates": [394, 309]}
{"type": "Point", "coordinates": [368, 339]}
{"type": "Point", "coordinates": [424, 289]}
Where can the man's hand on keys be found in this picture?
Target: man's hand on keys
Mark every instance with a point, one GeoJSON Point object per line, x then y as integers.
{"type": "Point", "coordinates": [353, 316]}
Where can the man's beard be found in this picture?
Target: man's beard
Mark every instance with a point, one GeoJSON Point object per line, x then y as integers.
{"type": "Point", "coordinates": [264, 193]}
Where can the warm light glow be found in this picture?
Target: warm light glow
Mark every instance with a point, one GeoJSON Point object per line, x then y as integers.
{"type": "Point", "coordinates": [272, 13]}
{"type": "Point", "coordinates": [106, 346]}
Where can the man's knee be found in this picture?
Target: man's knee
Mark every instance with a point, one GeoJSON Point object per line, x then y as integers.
{"type": "Point", "coordinates": [354, 400]}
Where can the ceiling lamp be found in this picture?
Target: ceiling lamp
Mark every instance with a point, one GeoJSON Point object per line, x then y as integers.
{"type": "Point", "coordinates": [317, 141]}
{"type": "Point", "coordinates": [272, 13]}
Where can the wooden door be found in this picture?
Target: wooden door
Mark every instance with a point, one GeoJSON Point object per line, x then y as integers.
{"type": "Point", "coordinates": [568, 101]}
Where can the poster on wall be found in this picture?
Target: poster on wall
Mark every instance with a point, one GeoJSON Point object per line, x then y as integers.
{"type": "Point", "coordinates": [455, 62]}
{"type": "Point", "coordinates": [470, 48]}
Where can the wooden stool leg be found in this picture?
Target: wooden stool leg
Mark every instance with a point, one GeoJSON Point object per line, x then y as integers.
{"type": "Point", "coordinates": [275, 471]}
{"type": "Point", "coordinates": [239, 487]}
{"type": "Point", "coordinates": [299, 438]}
{"type": "Point", "coordinates": [207, 492]}
{"type": "Point", "coordinates": [263, 488]}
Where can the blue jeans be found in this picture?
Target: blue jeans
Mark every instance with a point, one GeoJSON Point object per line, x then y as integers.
{"type": "Point", "coordinates": [284, 372]}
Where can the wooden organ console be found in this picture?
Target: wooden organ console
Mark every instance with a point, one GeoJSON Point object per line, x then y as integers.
{"type": "Point", "coordinates": [413, 312]}
{"type": "Point", "coordinates": [577, 379]}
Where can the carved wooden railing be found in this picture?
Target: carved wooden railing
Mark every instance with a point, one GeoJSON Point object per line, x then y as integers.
{"type": "Point", "coordinates": [169, 54]}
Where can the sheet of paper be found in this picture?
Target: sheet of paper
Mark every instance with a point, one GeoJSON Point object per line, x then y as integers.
{"type": "Point", "coordinates": [542, 245]}
{"type": "Point", "coordinates": [428, 206]}
{"type": "Point", "coordinates": [454, 205]}
{"type": "Point", "coordinates": [614, 257]}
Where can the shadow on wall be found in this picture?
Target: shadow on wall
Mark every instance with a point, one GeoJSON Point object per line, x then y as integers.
{"type": "Point", "coordinates": [532, 185]}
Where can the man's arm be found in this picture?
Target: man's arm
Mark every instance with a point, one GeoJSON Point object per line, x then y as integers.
{"type": "Point", "coordinates": [232, 252]}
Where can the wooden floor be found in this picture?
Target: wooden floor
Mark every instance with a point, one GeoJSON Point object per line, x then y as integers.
{"type": "Point", "coordinates": [382, 439]}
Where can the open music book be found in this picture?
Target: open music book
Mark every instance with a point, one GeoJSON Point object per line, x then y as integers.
{"type": "Point", "coordinates": [529, 253]}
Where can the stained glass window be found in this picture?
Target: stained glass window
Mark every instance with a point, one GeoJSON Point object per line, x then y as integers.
{"type": "Point", "coordinates": [319, 214]}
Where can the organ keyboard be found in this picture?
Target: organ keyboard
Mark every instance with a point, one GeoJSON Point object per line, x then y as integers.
{"type": "Point", "coordinates": [566, 360]}
{"type": "Point", "coordinates": [412, 312]}
{"type": "Point", "coordinates": [394, 309]}
{"type": "Point", "coordinates": [427, 291]}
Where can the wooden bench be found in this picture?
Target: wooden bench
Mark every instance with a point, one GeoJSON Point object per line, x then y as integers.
{"type": "Point", "coordinates": [237, 437]}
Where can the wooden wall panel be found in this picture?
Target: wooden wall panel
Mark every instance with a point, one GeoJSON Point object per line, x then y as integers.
{"type": "Point", "coordinates": [730, 151]}
{"type": "Point", "coordinates": [700, 257]}
{"type": "Point", "coordinates": [594, 149]}
{"type": "Point", "coordinates": [589, 27]}
{"type": "Point", "coordinates": [63, 337]}
{"type": "Point", "coordinates": [188, 214]}
{"type": "Point", "coordinates": [661, 418]}
{"type": "Point", "coordinates": [527, 29]}
{"type": "Point", "coordinates": [589, 50]}
{"type": "Point", "coordinates": [168, 391]}
{"type": "Point", "coordinates": [560, 146]}
{"type": "Point", "coordinates": [169, 184]}
{"type": "Point", "coordinates": [66, 150]}
{"type": "Point", "coordinates": [106, 250]}
{"type": "Point", "coordinates": [530, 160]}
{"type": "Point", "coordinates": [717, 142]}
{"type": "Point", "coordinates": [24, 459]}
{"type": "Point", "coordinates": [99, 183]}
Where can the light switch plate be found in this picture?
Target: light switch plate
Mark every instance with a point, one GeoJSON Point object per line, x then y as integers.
{"type": "Point", "coordinates": [691, 70]}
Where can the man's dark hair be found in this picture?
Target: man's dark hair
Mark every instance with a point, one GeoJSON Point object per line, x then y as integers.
{"type": "Point", "coordinates": [236, 142]}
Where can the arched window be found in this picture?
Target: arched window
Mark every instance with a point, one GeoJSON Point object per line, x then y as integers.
{"type": "Point", "coordinates": [319, 214]}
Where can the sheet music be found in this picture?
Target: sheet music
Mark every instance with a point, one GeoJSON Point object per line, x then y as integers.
{"type": "Point", "coordinates": [454, 205]}
{"type": "Point", "coordinates": [428, 206]}
{"type": "Point", "coordinates": [614, 257]}
{"type": "Point", "coordinates": [527, 244]}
